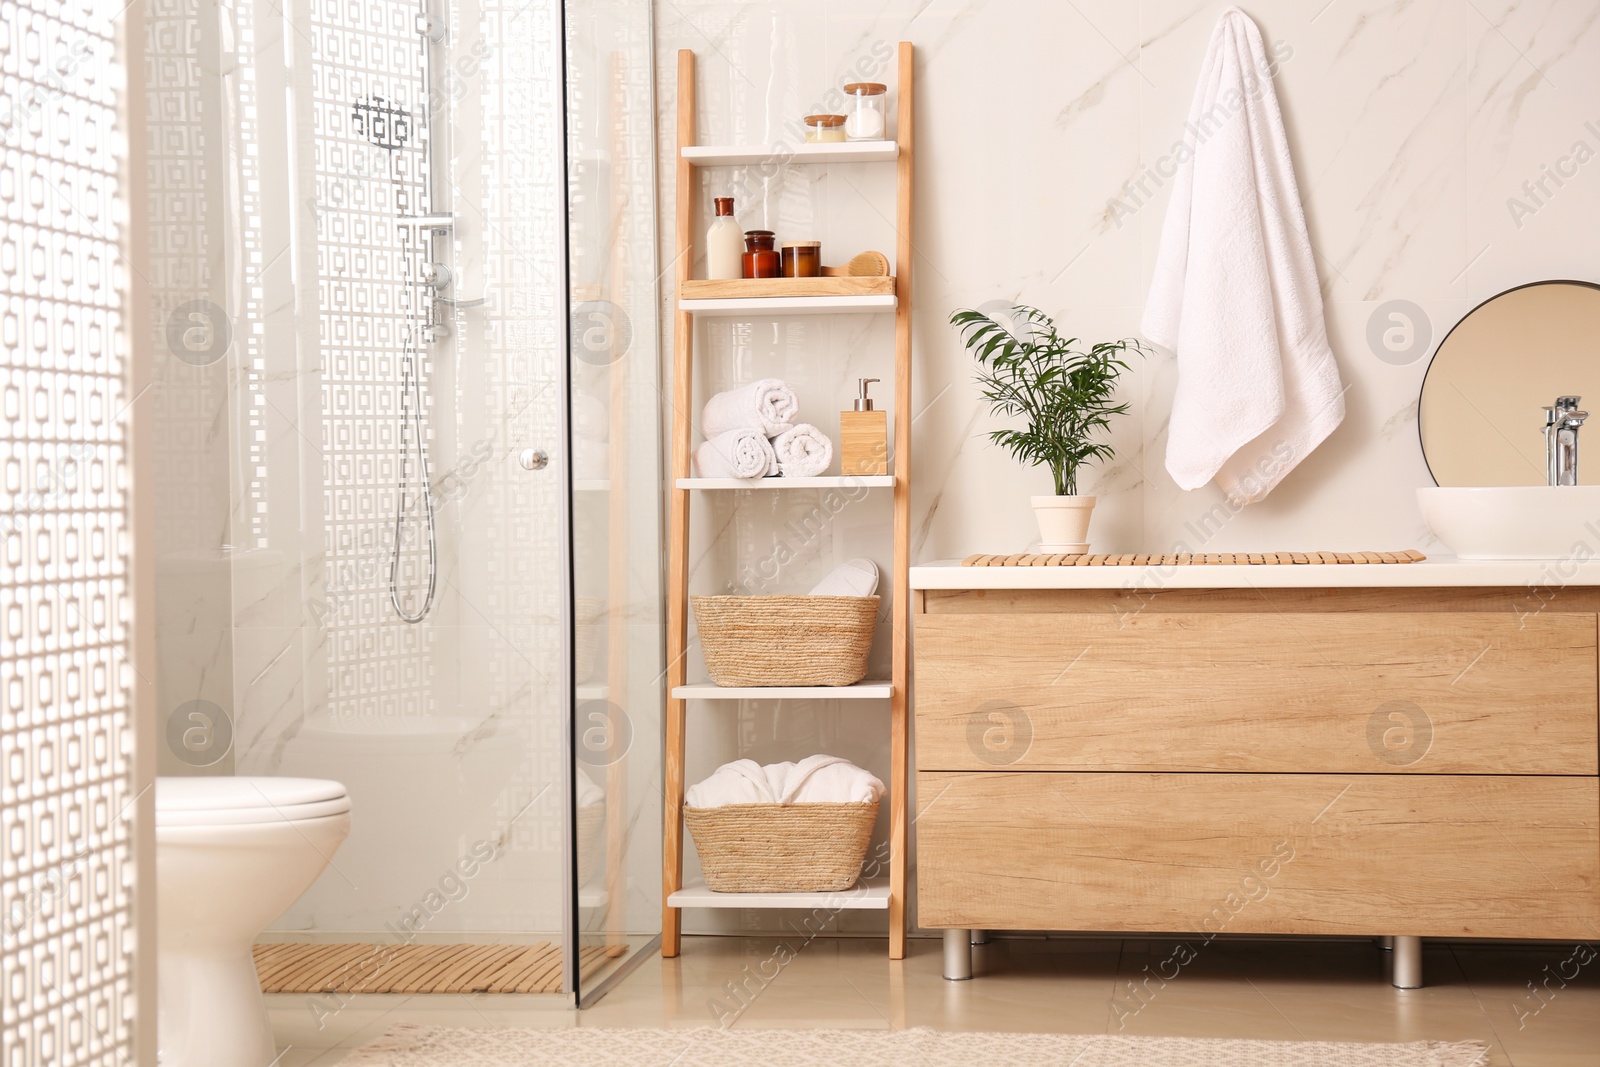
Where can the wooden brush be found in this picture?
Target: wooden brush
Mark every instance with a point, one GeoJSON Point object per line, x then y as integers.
{"type": "Point", "coordinates": [865, 265]}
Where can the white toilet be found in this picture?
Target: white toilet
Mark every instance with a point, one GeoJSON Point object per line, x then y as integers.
{"type": "Point", "coordinates": [231, 855]}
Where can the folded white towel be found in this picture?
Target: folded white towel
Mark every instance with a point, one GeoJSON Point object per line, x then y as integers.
{"type": "Point", "coordinates": [767, 405]}
{"type": "Point", "coordinates": [1235, 290]}
{"type": "Point", "coordinates": [736, 454]}
{"type": "Point", "coordinates": [803, 451]}
{"type": "Point", "coordinates": [814, 780]}
{"type": "Point", "coordinates": [856, 577]}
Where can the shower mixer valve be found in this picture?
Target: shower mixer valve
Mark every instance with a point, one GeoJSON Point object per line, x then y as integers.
{"type": "Point", "coordinates": [436, 276]}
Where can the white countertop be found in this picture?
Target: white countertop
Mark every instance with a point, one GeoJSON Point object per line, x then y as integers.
{"type": "Point", "coordinates": [1433, 572]}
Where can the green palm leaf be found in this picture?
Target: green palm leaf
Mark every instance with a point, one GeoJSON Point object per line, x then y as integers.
{"type": "Point", "coordinates": [1062, 393]}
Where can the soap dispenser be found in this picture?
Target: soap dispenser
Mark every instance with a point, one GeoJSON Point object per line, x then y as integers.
{"type": "Point", "coordinates": [864, 435]}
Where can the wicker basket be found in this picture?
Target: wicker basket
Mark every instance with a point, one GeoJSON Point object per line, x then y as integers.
{"type": "Point", "coordinates": [589, 615]}
{"type": "Point", "coordinates": [786, 640]}
{"type": "Point", "coordinates": [591, 840]}
{"type": "Point", "coordinates": [781, 848]}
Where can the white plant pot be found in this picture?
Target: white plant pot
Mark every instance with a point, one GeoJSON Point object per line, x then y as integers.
{"type": "Point", "coordinates": [1063, 523]}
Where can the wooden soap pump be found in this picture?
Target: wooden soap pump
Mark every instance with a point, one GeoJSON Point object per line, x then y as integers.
{"type": "Point", "coordinates": [864, 435]}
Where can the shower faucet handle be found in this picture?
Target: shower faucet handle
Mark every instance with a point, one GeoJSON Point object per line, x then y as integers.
{"type": "Point", "coordinates": [438, 222]}
{"type": "Point", "coordinates": [432, 27]}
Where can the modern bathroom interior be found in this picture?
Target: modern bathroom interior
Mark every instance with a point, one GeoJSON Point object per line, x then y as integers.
{"type": "Point", "coordinates": [642, 532]}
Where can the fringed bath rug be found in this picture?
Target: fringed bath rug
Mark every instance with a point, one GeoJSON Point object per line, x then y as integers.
{"type": "Point", "coordinates": [427, 1046]}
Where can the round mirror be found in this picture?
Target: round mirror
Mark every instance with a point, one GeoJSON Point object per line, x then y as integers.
{"type": "Point", "coordinates": [1481, 414]}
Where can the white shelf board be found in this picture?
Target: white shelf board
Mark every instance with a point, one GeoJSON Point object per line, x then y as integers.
{"type": "Point", "coordinates": [873, 895]}
{"type": "Point", "coordinates": [868, 690]}
{"type": "Point", "coordinates": [836, 152]}
{"type": "Point", "coordinates": [827, 481]}
{"type": "Point", "coordinates": [732, 307]}
{"type": "Point", "coordinates": [592, 485]}
{"type": "Point", "coordinates": [593, 691]}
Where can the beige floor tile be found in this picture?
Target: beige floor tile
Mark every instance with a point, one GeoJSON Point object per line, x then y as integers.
{"type": "Point", "coordinates": [308, 1022]}
{"type": "Point", "coordinates": [1287, 990]}
{"type": "Point", "coordinates": [1557, 1027]}
{"type": "Point", "coordinates": [315, 1057]}
{"type": "Point", "coordinates": [1059, 987]}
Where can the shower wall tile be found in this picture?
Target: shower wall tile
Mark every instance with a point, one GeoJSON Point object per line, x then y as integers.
{"type": "Point", "coordinates": [1041, 130]}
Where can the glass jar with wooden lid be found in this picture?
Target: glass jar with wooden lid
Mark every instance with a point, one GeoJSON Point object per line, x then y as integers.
{"type": "Point", "coordinates": [865, 115]}
{"type": "Point", "coordinates": [824, 129]}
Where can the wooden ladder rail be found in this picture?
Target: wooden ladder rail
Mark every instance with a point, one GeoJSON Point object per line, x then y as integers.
{"type": "Point", "coordinates": [678, 522]}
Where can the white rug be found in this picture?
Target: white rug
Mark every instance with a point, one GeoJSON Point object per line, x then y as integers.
{"type": "Point", "coordinates": [428, 1046]}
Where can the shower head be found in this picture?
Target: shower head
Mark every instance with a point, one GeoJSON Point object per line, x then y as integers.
{"type": "Point", "coordinates": [384, 124]}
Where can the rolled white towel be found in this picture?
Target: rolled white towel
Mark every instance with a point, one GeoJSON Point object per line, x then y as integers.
{"type": "Point", "coordinates": [768, 405]}
{"type": "Point", "coordinates": [736, 454]}
{"type": "Point", "coordinates": [803, 451]}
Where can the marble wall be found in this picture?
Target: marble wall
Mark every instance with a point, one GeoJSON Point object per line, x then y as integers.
{"type": "Point", "coordinates": [1424, 138]}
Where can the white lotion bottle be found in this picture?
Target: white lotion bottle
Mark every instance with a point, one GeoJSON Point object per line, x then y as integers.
{"type": "Point", "coordinates": [724, 244]}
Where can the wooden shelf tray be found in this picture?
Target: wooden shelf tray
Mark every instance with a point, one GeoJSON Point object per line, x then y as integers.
{"type": "Point", "coordinates": [821, 481]}
{"type": "Point", "coordinates": [870, 895]}
{"type": "Point", "coordinates": [836, 152]}
{"type": "Point", "coordinates": [868, 690]}
{"type": "Point", "coordinates": [770, 288]}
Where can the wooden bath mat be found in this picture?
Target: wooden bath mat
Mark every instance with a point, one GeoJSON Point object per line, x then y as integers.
{"type": "Point", "coordinates": [298, 967]}
{"type": "Point", "coordinates": [1192, 559]}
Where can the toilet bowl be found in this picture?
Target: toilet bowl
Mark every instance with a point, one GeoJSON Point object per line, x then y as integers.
{"type": "Point", "coordinates": [231, 855]}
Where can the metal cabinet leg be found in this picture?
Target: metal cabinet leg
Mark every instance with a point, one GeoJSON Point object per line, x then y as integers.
{"type": "Point", "coordinates": [957, 955]}
{"type": "Point", "coordinates": [1407, 963]}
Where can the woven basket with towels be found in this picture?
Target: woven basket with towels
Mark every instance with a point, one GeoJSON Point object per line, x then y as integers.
{"type": "Point", "coordinates": [784, 828]}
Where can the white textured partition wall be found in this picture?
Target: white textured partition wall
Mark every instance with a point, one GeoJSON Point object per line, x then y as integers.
{"type": "Point", "coordinates": [66, 726]}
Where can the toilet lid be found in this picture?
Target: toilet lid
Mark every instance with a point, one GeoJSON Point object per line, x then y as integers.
{"type": "Point", "coordinates": [228, 800]}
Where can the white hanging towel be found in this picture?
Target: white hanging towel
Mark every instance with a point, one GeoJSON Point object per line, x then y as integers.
{"type": "Point", "coordinates": [1235, 291]}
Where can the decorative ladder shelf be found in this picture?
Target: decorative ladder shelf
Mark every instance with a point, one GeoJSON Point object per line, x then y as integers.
{"type": "Point", "coordinates": [754, 299]}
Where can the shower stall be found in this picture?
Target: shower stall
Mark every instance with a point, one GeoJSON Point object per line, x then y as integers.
{"type": "Point", "coordinates": [402, 289]}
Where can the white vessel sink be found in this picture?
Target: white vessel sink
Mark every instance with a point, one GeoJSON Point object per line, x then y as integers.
{"type": "Point", "coordinates": [1515, 522]}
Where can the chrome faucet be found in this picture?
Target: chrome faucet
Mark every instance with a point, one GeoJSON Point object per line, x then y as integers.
{"type": "Point", "coordinates": [1561, 425]}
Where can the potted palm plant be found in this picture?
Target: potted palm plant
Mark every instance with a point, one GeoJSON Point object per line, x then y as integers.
{"type": "Point", "coordinates": [1065, 395]}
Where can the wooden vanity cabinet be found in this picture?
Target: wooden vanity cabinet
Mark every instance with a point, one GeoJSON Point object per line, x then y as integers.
{"type": "Point", "coordinates": [1418, 762]}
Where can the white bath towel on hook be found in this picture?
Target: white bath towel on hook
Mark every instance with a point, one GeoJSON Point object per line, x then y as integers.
{"type": "Point", "coordinates": [1235, 290]}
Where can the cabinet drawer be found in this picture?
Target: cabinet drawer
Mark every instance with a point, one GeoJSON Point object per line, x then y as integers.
{"type": "Point", "coordinates": [1379, 692]}
{"type": "Point", "coordinates": [1425, 855]}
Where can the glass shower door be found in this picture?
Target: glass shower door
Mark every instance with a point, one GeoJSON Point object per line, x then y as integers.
{"type": "Point", "coordinates": [615, 401]}
{"type": "Point", "coordinates": [383, 556]}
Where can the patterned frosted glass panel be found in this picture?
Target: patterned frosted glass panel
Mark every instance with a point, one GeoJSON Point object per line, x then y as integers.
{"type": "Point", "coordinates": [66, 741]}
{"type": "Point", "coordinates": [370, 151]}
